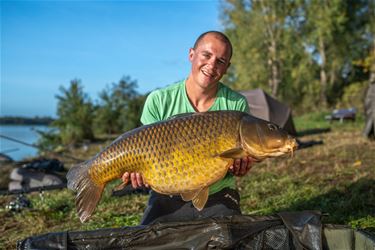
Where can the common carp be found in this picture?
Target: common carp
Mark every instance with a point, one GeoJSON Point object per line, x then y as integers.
{"type": "Point", "coordinates": [183, 155]}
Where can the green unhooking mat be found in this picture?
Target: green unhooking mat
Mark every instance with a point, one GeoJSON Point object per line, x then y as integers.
{"type": "Point", "coordinates": [287, 230]}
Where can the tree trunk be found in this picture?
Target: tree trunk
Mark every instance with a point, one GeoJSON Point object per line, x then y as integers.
{"type": "Point", "coordinates": [323, 73]}
{"type": "Point", "coordinates": [372, 66]}
{"type": "Point", "coordinates": [275, 70]}
{"type": "Point", "coordinates": [273, 61]}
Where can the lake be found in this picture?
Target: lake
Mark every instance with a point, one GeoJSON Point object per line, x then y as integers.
{"type": "Point", "coordinates": [24, 133]}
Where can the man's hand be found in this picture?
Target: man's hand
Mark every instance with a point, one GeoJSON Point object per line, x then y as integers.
{"type": "Point", "coordinates": [135, 178]}
{"type": "Point", "coordinates": [240, 167]}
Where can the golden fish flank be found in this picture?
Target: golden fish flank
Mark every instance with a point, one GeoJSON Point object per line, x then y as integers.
{"type": "Point", "coordinates": [183, 155]}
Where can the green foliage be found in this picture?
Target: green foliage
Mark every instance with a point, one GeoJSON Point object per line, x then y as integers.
{"type": "Point", "coordinates": [130, 118]}
{"type": "Point", "coordinates": [249, 62]}
{"type": "Point", "coordinates": [316, 121]}
{"type": "Point", "coordinates": [118, 110]}
{"type": "Point", "coordinates": [75, 114]}
{"type": "Point", "coordinates": [48, 140]}
{"type": "Point", "coordinates": [119, 107]}
{"type": "Point", "coordinates": [262, 33]}
{"type": "Point", "coordinates": [302, 52]}
{"type": "Point", "coordinates": [311, 120]}
{"type": "Point", "coordinates": [353, 96]}
{"type": "Point", "coordinates": [74, 122]}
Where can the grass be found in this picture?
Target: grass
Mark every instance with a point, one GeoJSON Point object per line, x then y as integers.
{"type": "Point", "coordinates": [336, 177]}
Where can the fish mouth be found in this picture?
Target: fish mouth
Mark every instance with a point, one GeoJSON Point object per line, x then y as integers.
{"type": "Point", "coordinates": [259, 153]}
{"type": "Point", "coordinates": [291, 146]}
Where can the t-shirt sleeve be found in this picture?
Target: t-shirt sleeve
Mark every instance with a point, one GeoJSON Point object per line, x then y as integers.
{"type": "Point", "coordinates": [151, 109]}
{"type": "Point", "coordinates": [243, 105]}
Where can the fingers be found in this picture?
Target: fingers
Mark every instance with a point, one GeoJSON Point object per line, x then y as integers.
{"type": "Point", "coordinates": [237, 166]}
{"type": "Point", "coordinates": [125, 178]}
{"type": "Point", "coordinates": [135, 178]}
{"type": "Point", "coordinates": [251, 163]}
{"type": "Point", "coordinates": [241, 166]}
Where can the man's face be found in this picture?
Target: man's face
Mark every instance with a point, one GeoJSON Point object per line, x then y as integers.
{"type": "Point", "coordinates": [210, 61]}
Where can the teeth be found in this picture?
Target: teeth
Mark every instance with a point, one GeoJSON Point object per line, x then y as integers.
{"type": "Point", "coordinates": [207, 73]}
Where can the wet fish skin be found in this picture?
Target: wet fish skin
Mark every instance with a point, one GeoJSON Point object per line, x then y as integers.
{"type": "Point", "coordinates": [183, 155]}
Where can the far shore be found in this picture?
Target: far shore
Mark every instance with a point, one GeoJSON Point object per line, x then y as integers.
{"type": "Point", "coordinates": [17, 120]}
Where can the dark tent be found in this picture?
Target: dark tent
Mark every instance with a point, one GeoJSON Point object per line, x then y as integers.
{"type": "Point", "coordinates": [369, 130]}
{"type": "Point", "coordinates": [284, 231]}
{"type": "Point", "coordinates": [268, 108]}
{"type": "Point", "coordinates": [23, 179]}
{"type": "Point", "coordinates": [38, 174]}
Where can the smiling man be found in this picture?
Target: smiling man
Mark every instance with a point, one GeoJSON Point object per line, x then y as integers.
{"type": "Point", "coordinates": [202, 91]}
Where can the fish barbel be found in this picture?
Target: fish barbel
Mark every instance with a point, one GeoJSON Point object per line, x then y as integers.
{"type": "Point", "coordinates": [183, 155]}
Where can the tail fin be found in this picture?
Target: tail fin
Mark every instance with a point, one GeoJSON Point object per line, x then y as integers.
{"type": "Point", "coordinates": [88, 192]}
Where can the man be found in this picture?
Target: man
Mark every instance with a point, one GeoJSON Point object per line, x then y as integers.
{"type": "Point", "coordinates": [200, 92]}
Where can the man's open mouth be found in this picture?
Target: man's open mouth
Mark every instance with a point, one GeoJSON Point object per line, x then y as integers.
{"type": "Point", "coordinates": [208, 74]}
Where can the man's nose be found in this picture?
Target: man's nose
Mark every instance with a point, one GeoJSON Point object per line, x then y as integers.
{"type": "Point", "coordinates": [213, 63]}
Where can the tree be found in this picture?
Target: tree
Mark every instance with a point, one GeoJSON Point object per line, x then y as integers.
{"type": "Point", "coordinates": [75, 114]}
{"type": "Point", "coordinates": [364, 32]}
{"type": "Point", "coordinates": [119, 108]}
{"type": "Point", "coordinates": [303, 52]}
{"type": "Point", "coordinates": [130, 117]}
{"type": "Point", "coordinates": [371, 57]}
{"type": "Point", "coordinates": [325, 35]}
{"type": "Point", "coordinates": [249, 63]}
{"type": "Point", "coordinates": [268, 50]}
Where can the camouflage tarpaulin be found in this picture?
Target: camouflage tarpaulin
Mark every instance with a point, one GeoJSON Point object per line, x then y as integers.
{"type": "Point", "coordinates": [288, 230]}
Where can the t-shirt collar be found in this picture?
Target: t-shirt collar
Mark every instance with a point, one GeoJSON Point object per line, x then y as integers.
{"type": "Point", "coordinates": [190, 106]}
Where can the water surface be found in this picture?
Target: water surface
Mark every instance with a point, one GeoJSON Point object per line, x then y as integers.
{"type": "Point", "coordinates": [24, 133]}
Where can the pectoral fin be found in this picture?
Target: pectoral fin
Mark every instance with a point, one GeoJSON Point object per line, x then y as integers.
{"type": "Point", "coordinates": [200, 200]}
{"type": "Point", "coordinates": [188, 196]}
{"type": "Point", "coordinates": [234, 153]}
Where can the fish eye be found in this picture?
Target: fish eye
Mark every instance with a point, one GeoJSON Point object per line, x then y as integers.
{"type": "Point", "coordinates": [272, 126]}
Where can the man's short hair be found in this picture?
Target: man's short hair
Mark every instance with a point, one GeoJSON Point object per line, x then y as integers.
{"type": "Point", "coordinates": [221, 36]}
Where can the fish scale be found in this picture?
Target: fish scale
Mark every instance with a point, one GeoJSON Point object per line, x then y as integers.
{"type": "Point", "coordinates": [183, 155]}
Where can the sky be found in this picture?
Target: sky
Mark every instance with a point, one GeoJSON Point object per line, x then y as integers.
{"type": "Point", "coordinates": [47, 44]}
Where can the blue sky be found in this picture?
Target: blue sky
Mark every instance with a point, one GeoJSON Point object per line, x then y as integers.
{"type": "Point", "coordinates": [46, 44]}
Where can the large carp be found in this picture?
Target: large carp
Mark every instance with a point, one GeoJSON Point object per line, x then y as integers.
{"type": "Point", "coordinates": [182, 155]}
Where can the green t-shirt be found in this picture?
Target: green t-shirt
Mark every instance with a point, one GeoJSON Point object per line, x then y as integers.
{"type": "Point", "coordinates": [172, 100]}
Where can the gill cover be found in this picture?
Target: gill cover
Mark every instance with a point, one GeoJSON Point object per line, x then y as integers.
{"type": "Point", "coordinates": [261, 138]}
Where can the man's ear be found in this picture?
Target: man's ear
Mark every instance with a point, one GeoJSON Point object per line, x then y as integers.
{"type": "Point", "coordinates": [191, 54]}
